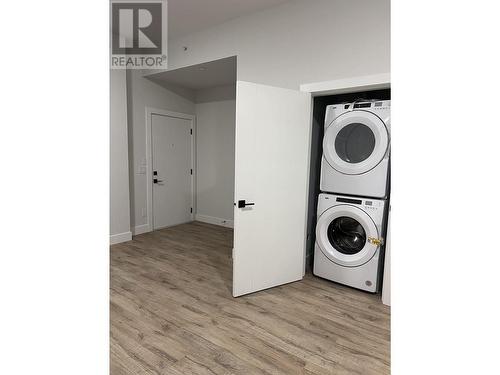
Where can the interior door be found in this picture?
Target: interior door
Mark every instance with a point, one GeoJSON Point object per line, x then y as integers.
{"type": "Point", "coordinates": [271, 177]}
{"type": "Point", "coordinates": [171, 151]}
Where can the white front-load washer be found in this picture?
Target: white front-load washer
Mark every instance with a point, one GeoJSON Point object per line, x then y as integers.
{"type": "Point", "coordinates": [349, 240]}
{"type": "Point", "coordinates": [356, 147]}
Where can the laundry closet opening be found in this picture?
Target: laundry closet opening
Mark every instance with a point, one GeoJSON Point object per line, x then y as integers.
{"type": "Point", "coordinates": [211, 89]}
{"type": "Point", "coordinates": [362, 150]}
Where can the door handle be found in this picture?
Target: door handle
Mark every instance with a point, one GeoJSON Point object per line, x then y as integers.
{"type": "Point", "coordinates": [375, 241]}
{"type": "Point", "coordinates": [155, 181]}
{"type": "Point", "coordinates": [243, 204]}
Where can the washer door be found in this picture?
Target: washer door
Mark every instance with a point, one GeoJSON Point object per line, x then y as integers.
{"type": "Point", "coordinates": [347, 235]}
{"type": "Point", "coordinates": [355, 142]}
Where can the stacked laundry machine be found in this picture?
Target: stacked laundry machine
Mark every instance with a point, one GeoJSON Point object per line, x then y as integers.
{"type": "Point", "coordinates": [354, 185]}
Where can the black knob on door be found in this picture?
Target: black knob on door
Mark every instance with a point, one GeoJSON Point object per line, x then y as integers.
{"type": "Point", "coordinates": [243, 204]}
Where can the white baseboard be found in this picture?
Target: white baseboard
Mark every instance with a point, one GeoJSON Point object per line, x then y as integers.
{"type": "Point", "coordinates": [214, 220]}
{"type": "Point", "coordinates": [140, 229]}
{"type": "Point", "coordinates": [120, 237]}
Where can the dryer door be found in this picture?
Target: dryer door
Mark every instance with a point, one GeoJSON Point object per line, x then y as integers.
{"type": "Point", "coordinates": [347, 235]}
{"type": "Point", "coordinates": [355, 142]}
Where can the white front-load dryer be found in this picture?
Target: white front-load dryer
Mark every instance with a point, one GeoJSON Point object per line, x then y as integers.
{"type": "Point", "coordinates": [356, 147]}
{"type": "Point", "coordinates": [348, 240]}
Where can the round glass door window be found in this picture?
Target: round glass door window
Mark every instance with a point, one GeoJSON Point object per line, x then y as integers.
{"type": "Point", "coordinates": [355, 143]}
{"type": "Point", "coordinates": [346, 235]}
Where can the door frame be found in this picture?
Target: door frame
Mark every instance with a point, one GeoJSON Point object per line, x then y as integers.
{"type": "Point", "coordinates": [150, 111]}
{"type": "Point", "coordinates": [351, 84]}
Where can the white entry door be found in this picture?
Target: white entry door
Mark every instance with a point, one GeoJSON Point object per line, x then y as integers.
{"type": "Point", "coordinates": [172, 173]}
{"type": "Point", "coordinates": [271, 176]}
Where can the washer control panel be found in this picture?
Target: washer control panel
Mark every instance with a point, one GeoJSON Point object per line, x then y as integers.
{"type": "Point", "coordinates": [367, 204]}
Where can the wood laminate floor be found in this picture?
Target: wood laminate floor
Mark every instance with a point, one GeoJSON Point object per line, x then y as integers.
{"type": "Point", "coordinates": [172, 313]}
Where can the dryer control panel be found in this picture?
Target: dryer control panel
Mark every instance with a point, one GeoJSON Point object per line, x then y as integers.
{"type": "Point", "coordinates": [380, 107]}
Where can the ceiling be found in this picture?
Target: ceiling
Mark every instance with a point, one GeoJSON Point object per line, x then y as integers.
{"type": "Point", "coordinates": [200, 76]}
{"type": "Point", "coordinates": [188, 16]}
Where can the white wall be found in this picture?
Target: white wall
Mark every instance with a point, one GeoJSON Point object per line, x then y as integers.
{"type": "Point", "coordinates": [283, 46]}
{"type": "Point", "coordinates": [143, 93]}
{"type": "Point", "coordinates": [119, 179]}
{"type": "Point", "coordinates": [215, 125]}
{"type": "Point", "coordinates": [297, 42]}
